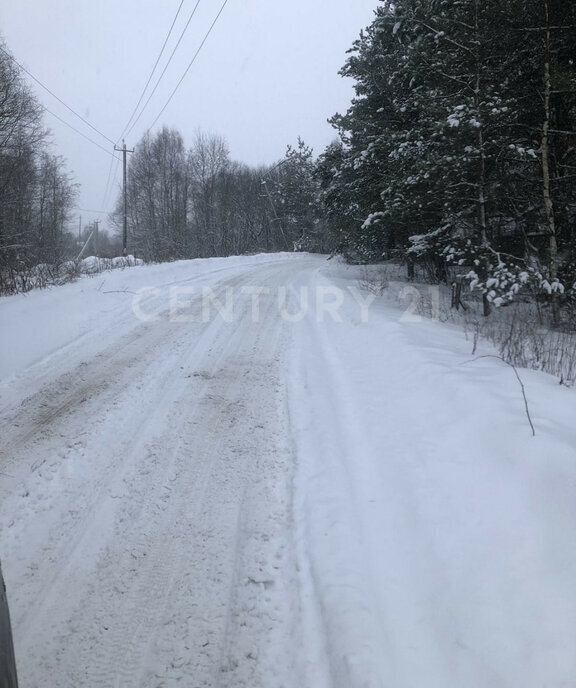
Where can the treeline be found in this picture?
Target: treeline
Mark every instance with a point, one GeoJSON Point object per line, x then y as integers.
{"type": "Point", "coordinates": [460, 145]}
{"type": "Point", "coordinates": [195, 202]}
{"type": "Point", "coordinates": [37, 194]}
{"type": "Point", "coordinates": [457, 155]}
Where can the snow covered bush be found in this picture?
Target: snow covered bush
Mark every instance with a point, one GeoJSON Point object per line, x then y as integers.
{"type": "Point", "coordinates": [18, 280]}
{"type": "Point", "coordinates": [500, 277]}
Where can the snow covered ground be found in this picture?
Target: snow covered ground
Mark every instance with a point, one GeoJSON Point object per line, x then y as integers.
{"type": "Point", "coordinates": [249, 472]}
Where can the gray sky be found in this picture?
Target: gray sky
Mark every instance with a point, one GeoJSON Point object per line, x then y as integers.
{"type": "Point", "coordinates": [267, 74]}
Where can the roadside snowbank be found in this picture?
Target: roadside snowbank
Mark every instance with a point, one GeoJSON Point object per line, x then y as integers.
{"type": "Point", "coordinates": [436, 533]}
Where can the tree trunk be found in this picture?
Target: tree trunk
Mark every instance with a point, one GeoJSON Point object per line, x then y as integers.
{"type": "Point", "coordinates": [481, 179]}
{"type": "Point", "coordinates": [548, 203]}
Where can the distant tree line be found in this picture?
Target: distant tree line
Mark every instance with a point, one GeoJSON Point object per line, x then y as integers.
{"type": "Point", "coordinates": [183, 202]}
{"type": "Point", "coordinates": [459, 148]}
{"type": "Point", "coordinates": [195, 202]}
{"type": "Point", "coordinates": [37, 194]}
{"type": "Point", "coordinates": [457, 154]}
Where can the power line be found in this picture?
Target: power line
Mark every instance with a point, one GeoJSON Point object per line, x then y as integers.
{"type": "Point", "coordinates": [191, 63]}
{"type": "Point", "coordinates": [78, 131]}
{"type": "Point", "coordinates": [112, 156]}
{"type": "Point", "coordinates": [105, 197]}
{"type": "Point", "coordinates": [111, 181]}
{"type": "Point", "coordinates": [165, 68]}
{"type": "Point", "coordinates": [153, 70]}
{"type": "Point", "coordinates": [106, 188]}
{"type": "Point", "coordinates": [55, 96]}
{"type": "Point", "coordinates": [100, 212]}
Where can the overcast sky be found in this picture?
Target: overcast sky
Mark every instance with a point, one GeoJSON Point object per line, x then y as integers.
{"type": "Point", "coordinates": [267, 74]}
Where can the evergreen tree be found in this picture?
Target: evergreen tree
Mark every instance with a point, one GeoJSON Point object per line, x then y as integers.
{"type": "Point", "coordinates": [461, 136]}
{"type": "Point", "coordinates": [295, 195]}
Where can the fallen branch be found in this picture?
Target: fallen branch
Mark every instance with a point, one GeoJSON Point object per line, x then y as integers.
{"type": "Point", "coordinates": [119, 291]}
{"type": "Point", "coordinates": [519, 381]}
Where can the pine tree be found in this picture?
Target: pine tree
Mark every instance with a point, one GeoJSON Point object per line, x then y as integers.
{"type": "Point", "coordinates": [460, 136]}
{"type": "Point", "coordinates": [295, 196]}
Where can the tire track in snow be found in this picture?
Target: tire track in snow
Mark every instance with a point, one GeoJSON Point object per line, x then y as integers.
{"type": "Point", "coordinates": [178, 501]}
{"type": "Point", "coordinates": [134, 351]}
{"type": "Point", "coordinates": [119, 662]}
{"type": "Point", "coordinates": [60, 538]}
{"type": "Point", "coordinates": [342, 627]}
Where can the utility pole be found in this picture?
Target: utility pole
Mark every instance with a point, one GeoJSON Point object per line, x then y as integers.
{"type": "Point", "coordinates": [276, 218]}
{"type": "Point", "coordinates": [96, 237]}
{"type": "Point", "coordinates": [125, 225]}
{"type": "Point", "coordinates": [263, 197]}
{"type": "Point", "coordinates": [88, 240]}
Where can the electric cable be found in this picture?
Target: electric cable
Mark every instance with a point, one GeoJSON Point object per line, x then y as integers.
{"type": "Point", "coordinates": [55, 96]}
{"type": "Point", "coordinates": [165, 67]}
{"type": "Point", "coordinates": [99, 212]}
{"type": "Point", "coordinates": [105, 197]}
{"type": "Point", "coordinates": [78, 131]}
{"type": "Point", "coordinates": [191, 63]}
{"type": "Point", "coordinates": [152, 72]}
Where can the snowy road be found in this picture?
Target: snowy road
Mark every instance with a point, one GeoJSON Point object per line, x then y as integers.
{"type": "Point", "coordinates": [148, 526]}
{"type": "Point", "coordinates": [268, 481]}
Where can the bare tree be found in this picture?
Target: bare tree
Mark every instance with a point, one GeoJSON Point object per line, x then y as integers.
{"type": "Point", "coordinates": [158, 195]}
{"type": "Point", "coordinates": [55, 196]}
{"type": "Point", "coordinates": [21, 136]}
{"type": "Point", "coordinates": [209, 159]}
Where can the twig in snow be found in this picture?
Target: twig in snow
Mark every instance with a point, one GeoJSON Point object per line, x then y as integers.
{"type": "Point", "coordinates": [519, 380]}
{"type": "Point", "coordinates": [119, 291]}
